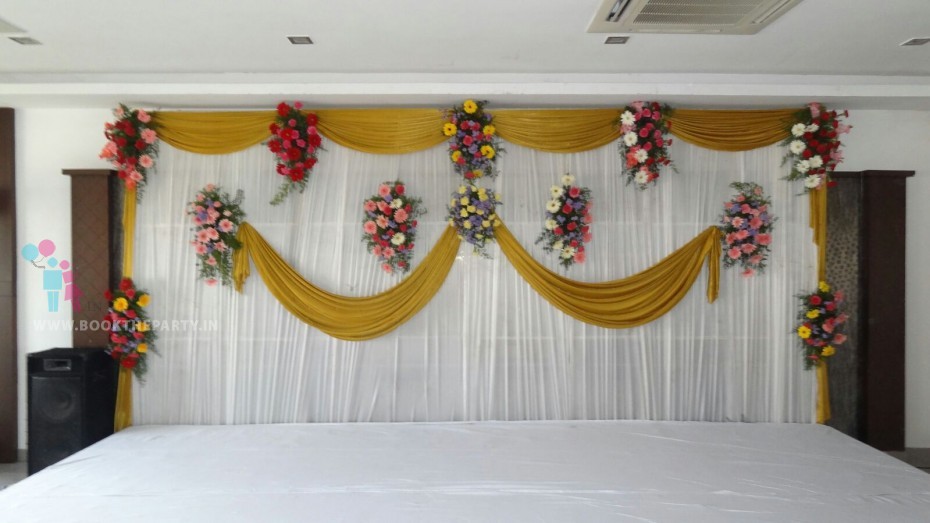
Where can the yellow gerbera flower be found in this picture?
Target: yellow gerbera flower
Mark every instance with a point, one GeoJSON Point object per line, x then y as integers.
{"type": "Point", "coordinates": [456, 155]}
{"type": "Point", "coordinates": [142, 326]}
{"type": "Point", "coordinates": [824, 287]}
{"type": "Point", "coordinates": [463, 200]}
{"type": "Point", "coordinates": [463, 213]}
{"type": "Point", "coordinates": [449, 129]}
{"type": "Point", "coordinates": [143, 300]}
{"type": "Point", "coordinates": [462, 189]}
{"type": "Point", "coordinates": [489, 129]}
{"type": "Point", "coordinates": [477, 173]}
{"type": "Point", "coordinates": [487, 151]}
{"type": "Point", "coordinates": [828, 351]}
{"type": "Point", "coordinates": [804, 332]}
{"type": "Point", "coordinates": [470, 106]}
{"type": "Point", "coordinates": [467, 225]}
{"type": "Point", "coordinates": [120, 304]}
{"type": "Point", "coordinates": [143, 348]}
{"type": "Point", "coordinates": [471, 208]}
{"type": "Point", "coordinates": [485, 224]}
{"type": "Point", "coordinates": [813, 313]}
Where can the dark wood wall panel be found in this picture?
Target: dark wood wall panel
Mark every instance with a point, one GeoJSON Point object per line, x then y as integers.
{"type": "Point", "coordinates": [8, 388]}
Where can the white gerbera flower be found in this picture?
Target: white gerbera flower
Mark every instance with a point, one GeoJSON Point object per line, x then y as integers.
{"type": "Point", "coordinates": [641, 155]}
{"type": "Point", "coordinates": [398, 238]}
{"type": "Point", "coordinates": [558, 245]}
{"type": "Point", "coordinates": [553, 206]}
{"type": "Point", "coordinates": [796, 147]}
{"type": "Point", "coordinates": [803, 166]}
{"type": "Point", "coordinates": [630, 139]}
{"type": "Point", "coordinates": [568, 179]}
{"type": "Point", "coordinates": [641, 177]}
{"type": "Point", "coordinates": [556, 191]}
{"type": "Point", "coordinates": [816, 161]}
{"type": "Point", "coordinates": [812, 182]}
{"type": "Point", "coordinates": [397, 203]}
{"type": "Point", "coordinates": [568, 252]}
{"type": "Point", "coordinates": [812, 128]}
{"type": "Point", "coordinates": [551, 224]}
{"type": "Point", "coordinates": [798, 129]}
{"type": "Point", "coordinates": [627, 118]}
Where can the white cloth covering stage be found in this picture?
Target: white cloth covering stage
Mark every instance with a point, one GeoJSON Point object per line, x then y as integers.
{"type": "Point", "coordinates": [565, 471]}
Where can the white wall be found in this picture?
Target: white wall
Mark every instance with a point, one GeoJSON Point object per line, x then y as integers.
{"type": "Point", "coordinates": [49, 140]}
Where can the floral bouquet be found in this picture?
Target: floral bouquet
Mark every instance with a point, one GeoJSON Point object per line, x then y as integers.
{"type": "Point", "coordinates": [131, 335]}
{"type": "Point", "coordinates": [473, 146]}
{"type": "Point", "coordinates": [568, 220]}
{"type": "Point", "coordinates": [644, 142]}
{"type": "Point", "coordinates": [216, 220]}
{"type": "Point", "coordinates": [747, 227]}
{"type": "Point", "coordinates": [471, 212]}
{"type": "Point", "coordinates": [814, 145]}
{"type": "Point", "coordinates": [819, 321]}
{"type": "Point", "coordinates": [131, 146]}
{"type": "Point", "coordinates": [296, 142]}
{"type": "Point", "coordinates": [390, 225]}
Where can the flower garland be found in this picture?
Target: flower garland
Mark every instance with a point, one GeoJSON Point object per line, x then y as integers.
{"type": "Point", "coordinates": [296, 142]}
{"type": "Point", "coordinates": [473, 144]}
{"type": "Point", "coordinates": [131, 146]}
{"type": "Point", "coordinates": [390, 226]}
{"type": "Point", "coordinates": [471, 212]}
{"type": "Point", "coordinates": [568, 220]}
{"type": "Point", "coordinates": [644, 142]}
{"type": "Point", "coordinates": [216, 220]}
{"type": "Point", "coordinates": [131, 334]}
{"type": "Point", "coordinates": [747, 227]}
{"type": "Point", "coordinates": [814, 145]}
{"type": "Point", "coordinates": [819, 321]}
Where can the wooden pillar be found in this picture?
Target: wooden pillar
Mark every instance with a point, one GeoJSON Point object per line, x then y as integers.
{"type": "Point", "coordinates": [92, 250]}
{"type": "Point", "coordinates": [8, 254]}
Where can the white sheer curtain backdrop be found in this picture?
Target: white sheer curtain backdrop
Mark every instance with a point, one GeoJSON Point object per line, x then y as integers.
{"type": "Point", "coordinates": [487, 346]}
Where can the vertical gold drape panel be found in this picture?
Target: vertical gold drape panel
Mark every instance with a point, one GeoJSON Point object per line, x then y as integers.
{"type": "Point", "coordinates": [122, 416]}
{"type": "Point", "coordinates": [632, 301]}
{"type": "Point", "coordinates": [559, 130]}
{"type": "Point", "coordinates": [347, 318]}
{"type": "Point", "coordinates": [818, 206]}
{"type": "Point", "coordinates": [383, 131]}
{"type": "Point", "coordinates": [731, 130]}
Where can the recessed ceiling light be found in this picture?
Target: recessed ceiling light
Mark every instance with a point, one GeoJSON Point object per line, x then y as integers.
{"type": "Point", "coordinates": [617, 39]}
{"type": "Point", "coordinates": [300, 40]}
{"type": "Point", "coordinates": [916, 41]}
{"type": "Point", "coordinates": [25, 40]}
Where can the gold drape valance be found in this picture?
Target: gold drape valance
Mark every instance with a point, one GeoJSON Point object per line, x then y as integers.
{"type": "Point", "coordinates": [395, 131]}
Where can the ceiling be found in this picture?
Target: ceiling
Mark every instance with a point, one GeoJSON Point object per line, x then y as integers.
{"type": "Point", "coordinates": [234, 53]}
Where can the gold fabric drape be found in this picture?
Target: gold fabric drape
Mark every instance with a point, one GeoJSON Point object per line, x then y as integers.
{"type": "Point", "coordinates": [818, 212]}
{"type": "Point", "coordinates": [558, 130]}
{"type": "Point", "coordinates": [347, 318]}
{"type": "Point", "coordinates": [122, 416]}
{"type": "Point", "coordinates": [212, 132]}
{"type": "Point", "coordinates": [629, 302]}
{"type": "Point", "coordinates": [737, 130]}
{"type": "Point", "coordinates": [383, 131]}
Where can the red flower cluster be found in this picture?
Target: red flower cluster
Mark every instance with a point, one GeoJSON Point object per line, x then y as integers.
{"type": "Point", "coordinates": [644, 142]}
{"type": "Point", "coordinates": [819, 320]}
{"type": "Point", "coordinates": [814, 145]}
{"type": "Point", "coordinates": [390, 226]}
{"type": "Point", "coordinates": [131, 145]}
{"type": "Point", "coordinates": [131, 335]}
{"type": "Point", "coordinates": [296, 142]}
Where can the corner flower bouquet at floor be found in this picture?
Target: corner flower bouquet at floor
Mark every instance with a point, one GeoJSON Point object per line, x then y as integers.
{"type": "Point", "coordinates": [568, 219]}
{"type": "Point", "coordinates": [820, 318]}
{"type": "Point", "coordinates": [473, 143]}
{"type": "Point", "coordinates": [131, 146]}
{"type": "Point", "coordinates": [472, 213]}
{"type": "Point", "coordinates": [747, 229]}
{"type": "Point", "coordinates": [296, 142]}
{"type": "Point", "coordinates": [216, 219]}
{"type": "Point", "coordinates": [814, 145]}
{"type": "Point", "coordinates": [389, 223]}
{"type": "Point", "coordinates": [644, 142]}
{"type": "Point", "coordinates": [131, 334]}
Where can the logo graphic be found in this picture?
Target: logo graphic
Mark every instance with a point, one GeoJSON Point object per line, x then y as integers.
{"type": "Point", "coordinates": [56, 275]}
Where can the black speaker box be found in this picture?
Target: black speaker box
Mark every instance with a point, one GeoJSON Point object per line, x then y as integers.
{"type": "Point", "coordinates": [72, 396]}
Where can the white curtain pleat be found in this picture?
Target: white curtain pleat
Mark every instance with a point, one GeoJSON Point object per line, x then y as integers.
{"type": "Point", "coordinates": [487, 346]}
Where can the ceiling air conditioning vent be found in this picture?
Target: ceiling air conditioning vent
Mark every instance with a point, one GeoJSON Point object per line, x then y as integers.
{"type": "Point", "coordinates": [687, 16]}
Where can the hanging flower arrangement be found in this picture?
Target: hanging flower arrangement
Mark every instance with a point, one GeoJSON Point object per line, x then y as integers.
{"type": "Point", "coordinates": [131, 146]}
{"type": "Point", "coordinates": [644, 142]}
{"type": "Point", "coordinates": [296, 142]}
{"type": "Point", "coordinates": [390, 226]}
{"type": "Point", "coordinates": [216, 219]}
{"type": "Point", "coordinates": [814, 145]}
{"type": "Point", "coordinates": [746, 225]}
{"type": "Point", "coordinates": [819, 321]}
{"type": "Point", "coordinates": [131, 334]}
{"type": "Point", "coordinates": [473, 144]}
{"type": "Point", "coordinates": [568, 219]}
{"type": "Point", "coordinates": [471, 212]}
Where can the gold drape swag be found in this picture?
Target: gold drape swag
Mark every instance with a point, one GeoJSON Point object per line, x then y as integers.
{"type": "Point", "coordinates": [623, 303]}
{"type": "Point", "coordinates": [723, 130]}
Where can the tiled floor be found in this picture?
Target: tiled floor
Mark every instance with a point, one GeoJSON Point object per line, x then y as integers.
{"type": "Point", "coordinates": [11, 473]}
